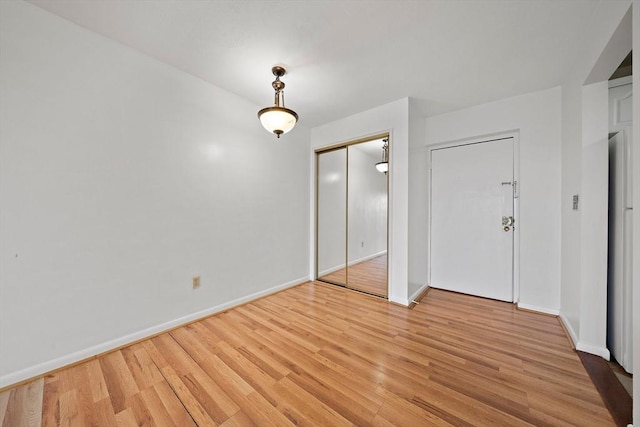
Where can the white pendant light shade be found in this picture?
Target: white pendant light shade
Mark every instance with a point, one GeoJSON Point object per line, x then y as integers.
{"type": "Point", "coordinates": [278, 119]}
{"type": "Point", "coordinates": [382, 167]}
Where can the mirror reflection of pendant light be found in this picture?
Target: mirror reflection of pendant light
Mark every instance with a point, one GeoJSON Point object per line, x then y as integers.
{"type": "Point", "coordinates": [383, 166]}
{"type": "Point", "coordinates": [278, 119]}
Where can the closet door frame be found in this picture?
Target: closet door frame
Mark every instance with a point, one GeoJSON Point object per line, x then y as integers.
{"type": "Point", "coordinates": [339, 146]}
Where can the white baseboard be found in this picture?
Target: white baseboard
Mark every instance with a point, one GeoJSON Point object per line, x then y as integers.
{"type": "Point", "coordinates": [400, 301]}
{"type": "Point", "coordinates": [407, 302]}
{"type": "Point", "coordinates": [598, 351]}
{"type": "Point", "coordinates": [366, 258]}
{"type": "Point", "coordinates": [417, 293]}
{"type": "Point", "coordinates": [545, 310]}
{"type": "Point", "coordinates": [572, 334]}
{"type": "Point", "coordinates": [51, 365]}
{"type": "Point", "coordinates": [354, 262]}
{"type": "Point", "coordinates": [330, 270]}
{"type": "Point", "coordinates": [587, 348]}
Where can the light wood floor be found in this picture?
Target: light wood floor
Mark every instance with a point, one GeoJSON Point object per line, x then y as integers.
{"type": "Point", "coordinates": [368, 276]}
{"type": "Point", "coordinates": [318, 354]}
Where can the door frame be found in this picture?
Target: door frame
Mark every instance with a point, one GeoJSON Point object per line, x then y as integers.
{"type": "Point", "coordinates": [515, 134]}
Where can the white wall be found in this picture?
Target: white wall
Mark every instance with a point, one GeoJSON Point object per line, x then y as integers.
{"type": "Point", "coordinates": [584, 165]}
{"type": "Point", "coordinates": [367, 205]}
{"type": "Point", "coordinates": [121, 178]}
{"type": "Point", "coordinates": [594, 224]}
{"type": "Point", "coordinates": [571, 219]}
{"type": "Point", "coordinates": [394, 118]}
{"type": "Point", "coordinates": [536, 118]}
{"type": "Point", "coordinates": [418, 202]}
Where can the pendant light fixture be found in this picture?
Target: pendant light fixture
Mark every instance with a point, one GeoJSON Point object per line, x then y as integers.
{"type": "Point", "coordinates": [383, 166]}
{"type": "Point", "coordinates": [278, 119]}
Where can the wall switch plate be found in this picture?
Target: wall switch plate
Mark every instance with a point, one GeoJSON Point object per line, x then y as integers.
{"type": "Point", "coordinates": [196, 282]}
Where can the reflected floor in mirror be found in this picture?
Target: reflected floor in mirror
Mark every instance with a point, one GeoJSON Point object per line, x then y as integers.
{"type": "Point", "coordinates": [368, 276]}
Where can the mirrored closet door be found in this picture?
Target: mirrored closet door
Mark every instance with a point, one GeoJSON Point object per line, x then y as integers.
{"type": "Point", "coordinates": [331, 223]}
{"type": "Point", "coordinates": [351, 216]}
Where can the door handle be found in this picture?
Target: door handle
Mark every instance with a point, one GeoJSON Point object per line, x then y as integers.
{"type": "Point", "coordinates": [507, 222]}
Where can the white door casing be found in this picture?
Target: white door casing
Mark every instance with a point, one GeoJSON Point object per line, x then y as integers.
{"type": "Point", "coordinates": [472, 190]}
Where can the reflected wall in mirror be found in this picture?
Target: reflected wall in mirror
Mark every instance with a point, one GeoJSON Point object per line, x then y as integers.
{"type": "Point", "coordinates": [331, 222]}
{"type": "Point", "coordinates": [351, 221]}
{"type": "Point", "coordinates": [367, 219]}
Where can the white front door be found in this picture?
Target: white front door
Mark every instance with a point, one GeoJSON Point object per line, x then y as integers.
{"type": "Point", "coordinates": [471, 219]}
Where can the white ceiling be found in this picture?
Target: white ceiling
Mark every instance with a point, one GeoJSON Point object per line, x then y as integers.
{"type": "Point", "coordinates": [344, 57]}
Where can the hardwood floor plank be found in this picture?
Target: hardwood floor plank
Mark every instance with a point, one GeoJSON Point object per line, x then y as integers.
{"type": "Point", "coordinates": [141, 412]}
{"type": "Point", "coordinates": [314, 410]}
{"type": "Point", "coordinates": [33, 402]}
{"type": "Point", "coordinates": [144, 372]}
{"type": "Point", "coordinates": [582, 415]}
{"type": "Point", "coordinates": [390, 382]}
{"type": "Point", "coordinates": [174, 407]}
{"type": "Point", "coordinates": [240, 419]}
{"type": "Point", "coordinates": [119, 380]}
{"type": "Point", "coordinates": [191, 403]}
{"type": "Point", "coordinates": [126, 418]}
{"type": "Point", "coordinates": [253, 351]}
{"type": "Point", "coordinates": [97, 383]}
{"type": "Point", "coordinates": [339, 399]}
{"type": "Point", "coordinates": [78, 379]}
{"type": "Point", "coordinates": [226, 378]}
{"type": "Point", "coordinates": [104, 414]}
{"type": "Point", "coordinates": [615, 397]}
{"type": "Point", "coordinates": [263, 413]}
{"type": "Point", "coordinates": [367, 276]}
{"type": "Point", "coordinates": [359, 388]}
{"type": "Point", "coordinates": [507, 400]}
{"type": "Point", "coordinates": [50, 407]}
{"type": "Point", "coordinates": [549, 419]}
{"type": "Point", "coordinates": [259, 380]}
{"type": "Point", "coordinates": [70, 414]}
{"type": "Point", "coordinates": [397, 411]}
{"type": "Point", "coordinates": [21, 407]}
{"type": "Point", "coordinates": [218, 405]}
{"type": "Point", "coordinates": [262, 359]}
{"type": "Point", "coordinates": [318, 354]}
{"type": "Point", "coordinates": [454, 404]}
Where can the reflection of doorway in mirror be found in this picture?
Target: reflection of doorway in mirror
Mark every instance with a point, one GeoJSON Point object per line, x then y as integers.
{"type": "Point", "coordinates": [361, 240]}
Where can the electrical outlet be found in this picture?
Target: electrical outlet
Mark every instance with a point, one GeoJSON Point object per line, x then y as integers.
{"type": "Point", "coordinates": [196, 282]}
